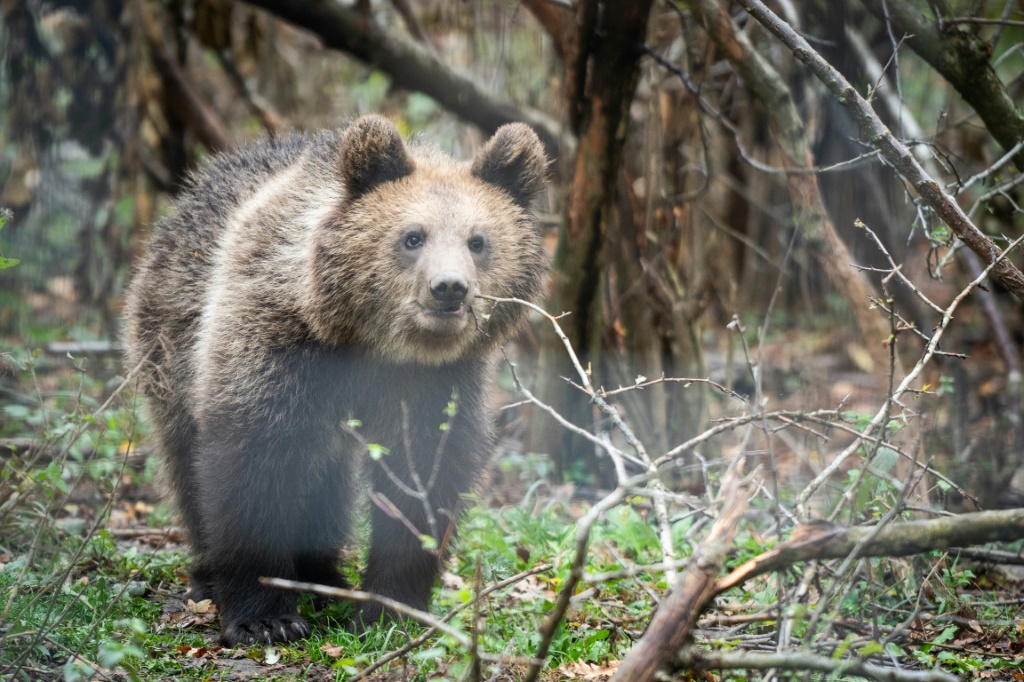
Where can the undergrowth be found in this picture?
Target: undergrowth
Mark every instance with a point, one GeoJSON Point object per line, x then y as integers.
{"type": "Point", "coordinates": [76, 599]}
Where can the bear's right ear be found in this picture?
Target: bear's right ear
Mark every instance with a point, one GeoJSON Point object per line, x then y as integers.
{"type": "Point", "coordinates": [372, 153]}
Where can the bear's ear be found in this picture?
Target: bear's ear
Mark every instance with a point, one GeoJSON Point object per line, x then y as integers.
{"type": "Point", "coordinates": [514, 160]}
{"type": "Point", "coordinates": [372, 153]}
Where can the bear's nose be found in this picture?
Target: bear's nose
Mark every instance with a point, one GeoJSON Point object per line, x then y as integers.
{"type": "Point", "coordinates": [449, 287]}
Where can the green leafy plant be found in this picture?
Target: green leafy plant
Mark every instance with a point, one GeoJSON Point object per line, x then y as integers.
{"type": "Point", "coordinates": [5, 217]}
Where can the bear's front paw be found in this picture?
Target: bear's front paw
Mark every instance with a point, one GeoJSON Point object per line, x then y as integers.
{"type": "Point", "coordinates": [285, 628]}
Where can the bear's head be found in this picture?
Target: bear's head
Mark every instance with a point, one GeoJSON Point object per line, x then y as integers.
{"type": "Point", "coordinates": [419, 236]}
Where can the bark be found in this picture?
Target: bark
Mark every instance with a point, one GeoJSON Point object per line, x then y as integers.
{"type": "Point", "coordinates": [678, 612]}
{"type": "Point", "coordinates": [891, 149]}
{"type": "Point", "coordinates": [963, 58]}
{"type": "Point", "coordinates": [600, 83]}
{"type": "Point", "coordinates": [410, 65]}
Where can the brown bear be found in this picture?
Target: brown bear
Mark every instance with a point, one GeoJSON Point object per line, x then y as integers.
{"type": "Point", "coordinates": [311, 295]}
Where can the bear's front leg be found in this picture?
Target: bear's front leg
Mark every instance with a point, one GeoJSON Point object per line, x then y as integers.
{"type": "Point", "coordinates": [275, 505]}
{"type": "Point", "coordinates": [399, 566]}
{"type": "Point", "coordinates": [250, 522]}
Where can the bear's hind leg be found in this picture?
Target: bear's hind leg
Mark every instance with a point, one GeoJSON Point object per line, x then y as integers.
{"type": "Point", "coordinates": [319, 555]}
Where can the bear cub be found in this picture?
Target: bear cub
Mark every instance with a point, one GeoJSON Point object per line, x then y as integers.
{"type": "Point", "coordinates": [311, 295]}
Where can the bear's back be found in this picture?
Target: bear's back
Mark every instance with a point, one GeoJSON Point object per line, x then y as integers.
{"type": "Point", "coordinates": [174, 282]}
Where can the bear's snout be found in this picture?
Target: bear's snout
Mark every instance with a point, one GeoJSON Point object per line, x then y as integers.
{"type": "Point", "coordinates": [449, 287]}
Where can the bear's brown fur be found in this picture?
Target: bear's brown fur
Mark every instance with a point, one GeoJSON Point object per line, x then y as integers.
{"type": "Point", "coordinates": [304, 282]}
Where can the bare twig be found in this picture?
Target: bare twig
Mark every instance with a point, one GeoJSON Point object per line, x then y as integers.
{"type": "Point", "coordinates": [660, 510]}
{"type": "Point", "coordinates": [358, 595]}
{"type": "Point", "coordinates": [894, 151]}
{"type": "Point", "coordinates": [431, 631]}
{"type": "Point", "coordinates": [880, 417]}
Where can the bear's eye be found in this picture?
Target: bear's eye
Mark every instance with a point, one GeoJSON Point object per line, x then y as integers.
{"type": "Point", "coordinates": [477, 244]}
{"type": "Point", "coordinates": [414, 240]}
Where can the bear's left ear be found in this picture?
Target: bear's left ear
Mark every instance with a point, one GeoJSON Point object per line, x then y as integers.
{"type": "Point", "coordinates": [372, 153]}
{"type": "Point", "coordinates": [514, 160]}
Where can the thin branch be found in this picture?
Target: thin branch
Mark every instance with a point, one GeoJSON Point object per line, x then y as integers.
{"type": "Point", "coordinates": [660, 510]}
{"type": "Point", "coordinates": [894, 151]}
{"type": "Point", "coordinates": [880, 417]}
{"type": "Point", "coordinates": [431, 631]}
{"type": "Point", "coordinates": [358, 595]}
{"type": "Point", "coordinates": [963, 59]}
{"type": "Point", "coordinates": [983, 20]}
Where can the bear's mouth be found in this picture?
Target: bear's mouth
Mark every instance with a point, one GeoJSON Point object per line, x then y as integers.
{"type": "Point", "coordinates": [456, 310]}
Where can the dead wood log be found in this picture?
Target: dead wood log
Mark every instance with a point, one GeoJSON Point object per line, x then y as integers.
{"type": "Point", "coordinates": [828, 541]}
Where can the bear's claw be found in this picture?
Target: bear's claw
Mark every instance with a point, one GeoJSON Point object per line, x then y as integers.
{"type": "Point", "coordinates": [286, 628]}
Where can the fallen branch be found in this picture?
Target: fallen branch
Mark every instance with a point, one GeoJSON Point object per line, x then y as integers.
{"type": "Point", "coordinates": [430, 631]}
{"type": "Point", "coordinates": [803, 660]}
{"type": "Point", "coordinates": [828, 541]}
{"type": "Point", "coordinates": [358, 595]}
{"type": "Point", "coordinates": [677, 615]}
{"type": "Point", "coordinates": [410, 66]}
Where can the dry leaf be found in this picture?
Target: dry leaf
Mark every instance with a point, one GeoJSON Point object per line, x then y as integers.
{"type": "Point", "coordinates": [334, 651]}
{"type": "Point", "coordinates": [203, 607]}
{"type": "Point", "coordinates": [587, 671]}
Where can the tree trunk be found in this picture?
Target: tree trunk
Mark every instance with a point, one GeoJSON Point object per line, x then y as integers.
{"type": "Point", "coordinates": [603, 65]}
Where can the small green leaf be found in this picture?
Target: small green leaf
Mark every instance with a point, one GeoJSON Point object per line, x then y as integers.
{"type": "Point", "coordinates": [377, 451]}
{"type": "Point", "coordinates": [870, 648]}
{"type": "Point", "coordinates": [8, 262]}
{"type": "Point", "coordinates": [946, 635]}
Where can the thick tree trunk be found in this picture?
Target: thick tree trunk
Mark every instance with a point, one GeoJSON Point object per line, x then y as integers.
{"type": "Point", "coordinates": [603, 65]}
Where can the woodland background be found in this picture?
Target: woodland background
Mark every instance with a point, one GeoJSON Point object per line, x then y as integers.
{"type": "Point", "coordinates": [786, 242]}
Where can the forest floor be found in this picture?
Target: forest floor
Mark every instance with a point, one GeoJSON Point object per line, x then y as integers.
{"type": "Point", "coordinates": [93, 570]}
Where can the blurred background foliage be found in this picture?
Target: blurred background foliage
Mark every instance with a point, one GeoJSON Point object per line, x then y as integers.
{"type": "Point", "coordinates": [107, 104]}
